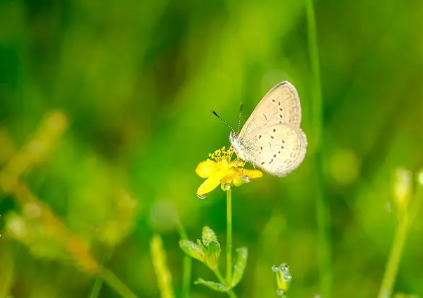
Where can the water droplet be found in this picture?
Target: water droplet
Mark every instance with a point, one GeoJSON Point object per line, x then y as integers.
{"type": "Point", "coordinates": [275, 268]}
{"type": "Point", "coordinates": [226, 186]}
{"type": "Point", "coordinates": [280, 292]}
{"type": "Point", "coordinates": [245, 178]}
{"type": "Point", "coordinates": [284, 268]}
{"type": "Point", "coordinates": [420, 178]}
{"type": "Point", "coordinates": [202, 197]}
{"type": "Point", "coordinates": [287, 277]}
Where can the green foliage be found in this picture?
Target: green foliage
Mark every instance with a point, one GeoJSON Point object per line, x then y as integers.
{"type": "Point", "coordinates": [213, 253]}
{"type": "Point", "coordinates": [283, 278]}
{"type": "Point", "coordinates": [193, 250]}
{"type": "Point", "coordinates": [208, 236]}
{"type": "Point", "coordinates": [208, 252]}
{"type": "Point", "coordinates": [105, 114]}
{"type": "Point", "coordinates": [213, 285]}
{"type": "Point", "coordinates": [239, 265]}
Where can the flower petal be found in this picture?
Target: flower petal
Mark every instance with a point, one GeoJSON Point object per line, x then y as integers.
{"type": "Point", "coordinates": [206, 168]}
{"type": "Point", "coordinates": [252, 174]}
{"type": "Point", "coordinates": [212, 182]}
{"type": "Point", "coordinates": [243, 176]}
{"type": "Point", "coordinates": [207, 186]}
{"type": "Point", "coordinates": [240, 180]}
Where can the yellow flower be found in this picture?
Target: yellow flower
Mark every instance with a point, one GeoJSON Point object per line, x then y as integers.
{"type": "Point", "coordinates": [220, 169]}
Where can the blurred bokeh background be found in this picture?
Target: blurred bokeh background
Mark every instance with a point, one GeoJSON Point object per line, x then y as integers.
{"type": "Point", "coordinates": [105, 111]}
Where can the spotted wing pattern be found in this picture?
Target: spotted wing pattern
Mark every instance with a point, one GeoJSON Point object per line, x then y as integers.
{"type": "Point", "coordinates": [277, 149]}
{"type": "Point", "coordinates": [272, 139]}
{"type": "Point", "coordinates": [280, 105]}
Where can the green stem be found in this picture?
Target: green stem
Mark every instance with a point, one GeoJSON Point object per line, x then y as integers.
{"type": "Point", "coordinates": [187, 266]}
{"type": "Point", "coordinates": [403, 226]}
{"type": "Point", "coordinates": [418, 199]}
{"type": "Point", "coordinates": [98, 283]}
{"type": "Point", "coordinates": [116, 284]}
{"type": "Point", "coordinates": [95, 291]}
{"type": "Point", "coordinates": [186, 276]}
{"type": "Point", "coordinates": [394, 258]}
{"type": "Point", "coordinates": [223, 282]}
{"type": "Point", "coordinates": [229, 236]}
{"type": "Point", "coordinates": [322, 209]}
{"type": "Point", "coordinates": [313, 51]}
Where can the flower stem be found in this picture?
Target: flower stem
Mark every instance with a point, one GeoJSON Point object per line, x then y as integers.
{"type": "Point", "coordinates": [394, 258]}
{"type": "Point", "coordinates": [405, 221]}
{"type": "Point", "coordinates": [116, 284]}
{"type": "Point", "coordinates": [186, 277]}
{"type": "Point", "coordinates": [229, 236]}
{"type": "Point", "coordinates": [322, 208]}
{"type": "Point", "coordinates": [223, 282]}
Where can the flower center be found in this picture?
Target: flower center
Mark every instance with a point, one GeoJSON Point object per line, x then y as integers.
{"type": "Point", "coordinates": [223, 155]}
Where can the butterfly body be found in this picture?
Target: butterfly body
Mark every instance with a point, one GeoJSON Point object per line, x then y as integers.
{"type": "Point", "coordinates": [271, 138]}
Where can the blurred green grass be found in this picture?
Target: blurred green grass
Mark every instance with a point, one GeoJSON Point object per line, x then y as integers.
{"type": "Point", "coordinates": [137, 81]}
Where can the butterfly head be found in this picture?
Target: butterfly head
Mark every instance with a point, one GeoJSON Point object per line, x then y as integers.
{"type": "Point", "coordinates": [233, 138]}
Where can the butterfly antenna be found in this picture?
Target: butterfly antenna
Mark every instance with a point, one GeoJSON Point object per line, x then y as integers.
{"type": "Point", "coordinates": [240, 117]}
{"type": "Point", "coordinates": [221, 119]}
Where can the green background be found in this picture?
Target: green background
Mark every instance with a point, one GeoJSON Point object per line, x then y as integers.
{"type": "Point", "coordinates": [137, 81]}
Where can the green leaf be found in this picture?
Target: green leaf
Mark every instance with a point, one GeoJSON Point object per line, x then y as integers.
{"type": "Point", "coordinates": [192, 249]}
{"type": "Point", "coordinates": [202, 247]}
{"type": "Point", "coordinates": [213, 285]}
{"type": "Point", "coordinates": [208, 236]}
{"type": "Point", "coordinates": [239, 266]}
{"type": "Point", "coordinates": [213, 253]}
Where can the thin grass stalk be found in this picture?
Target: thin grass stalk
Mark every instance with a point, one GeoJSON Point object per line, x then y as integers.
{"type": "Point", "coordinates": [322, 209]}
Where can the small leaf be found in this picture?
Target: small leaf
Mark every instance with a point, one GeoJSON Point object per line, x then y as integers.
{"type": "Point", "coordinates": [283, 277]}
{"type": "Point", "coordinates": [213, 285]}
{"type": "Point", "coordinates": [239, 266]}
{"type": "Point", "coordinates": [192, 249]}
{"type": "Point", "coordinates": [202, 247]}
{"type": "Point", "coordinates": [208, 236]}
{"type": "Point", "coordinates": [213, 253]}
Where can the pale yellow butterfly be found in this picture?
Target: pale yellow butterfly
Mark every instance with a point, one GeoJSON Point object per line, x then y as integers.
{"type": "Point", "coordinates": [272, 139]}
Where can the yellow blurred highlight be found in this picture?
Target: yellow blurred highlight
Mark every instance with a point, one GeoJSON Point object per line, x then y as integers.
{"type": "Point", "coordinates": [34, 211]}
{"type": "Point", "coordinates": [164, 278]}
{"type": "Point", "coordinates": [402, 187]}
{"type": "Point", "coordinates": [126, 208]}
{"type": "Point", "coordinates": [35, 150]}
{"type": "Point", "coordinates": [344, 167]}
{"type": "Point", "coordinates": [17, 226]}
{"type": "Point", "coordinates": [420, 178]}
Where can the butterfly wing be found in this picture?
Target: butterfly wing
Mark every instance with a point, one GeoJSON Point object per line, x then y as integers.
{"type": "Point", "coordinates": [277, 149]}
{"type": "Point", "coordinates": [281, 105]}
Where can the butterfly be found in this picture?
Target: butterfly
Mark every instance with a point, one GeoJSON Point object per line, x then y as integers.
{"type": "Point", "coordinates": [271, 138]}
